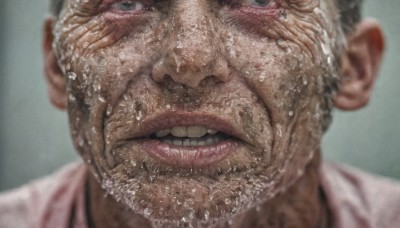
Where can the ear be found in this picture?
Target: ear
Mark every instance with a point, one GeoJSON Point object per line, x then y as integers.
{"type": "Point", "coordinates": [55, 78]}
{"type": "Point", "coordinates": [360, 65]}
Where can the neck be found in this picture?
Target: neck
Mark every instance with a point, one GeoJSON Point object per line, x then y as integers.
{"type": "Point", "coordinates": [302, 205]}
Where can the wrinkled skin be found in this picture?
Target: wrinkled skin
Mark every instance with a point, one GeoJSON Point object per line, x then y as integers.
{"type": "Point", "coordinates": [267, 70]}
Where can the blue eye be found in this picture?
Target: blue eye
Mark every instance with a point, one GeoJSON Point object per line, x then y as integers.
{"type": "Point", "coordinates": [128, 6]}
{"type": "Point", "coordinates": [261, 2]}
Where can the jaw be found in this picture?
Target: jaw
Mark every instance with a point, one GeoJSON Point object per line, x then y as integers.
{"type": "Point", "coordinates": [189, 199]}
{"type": "Point", "coordinates": [300, 204]}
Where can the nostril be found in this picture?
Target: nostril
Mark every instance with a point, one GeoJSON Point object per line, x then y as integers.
{"type": "Point", "coordinates": [168, 82]}
{"type": "Point", "coordinates": [191, 73]}
{"type": "Point", "coordinates": [210, 81]}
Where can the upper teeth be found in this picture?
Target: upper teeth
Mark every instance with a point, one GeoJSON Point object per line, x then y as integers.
{"type": "Point", "coordinates": [191, 131]}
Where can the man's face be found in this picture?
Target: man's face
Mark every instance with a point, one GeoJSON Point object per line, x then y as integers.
{"type": "Point", "coordinates": [197, 110]}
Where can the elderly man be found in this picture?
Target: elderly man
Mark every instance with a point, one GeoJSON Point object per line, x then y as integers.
{"type": "Point", "coordinates": [203, 113]}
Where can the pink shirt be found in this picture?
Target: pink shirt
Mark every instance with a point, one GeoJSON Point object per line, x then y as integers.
{"type": "Point", "coordinates": [56, 201]}
{"type": "Point", "coordinates": [356, 200]}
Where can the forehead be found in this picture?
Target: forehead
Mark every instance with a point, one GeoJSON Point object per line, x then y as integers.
{"type": "Point", "coordinates": [58, 4]}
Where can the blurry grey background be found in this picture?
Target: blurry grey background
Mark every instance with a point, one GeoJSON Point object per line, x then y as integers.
{"type": "Point", "coordinates": [34, 137]}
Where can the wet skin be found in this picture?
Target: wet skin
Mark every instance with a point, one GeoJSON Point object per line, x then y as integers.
{"type": "Point", "coordinates": [260, 72]}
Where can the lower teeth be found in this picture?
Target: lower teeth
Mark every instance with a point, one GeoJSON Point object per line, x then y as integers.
{"type": "Point", "coordinates": [203, 141]}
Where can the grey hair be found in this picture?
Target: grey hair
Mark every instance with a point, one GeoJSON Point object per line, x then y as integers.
{"type": "Point", "coordinates": [350, 13]}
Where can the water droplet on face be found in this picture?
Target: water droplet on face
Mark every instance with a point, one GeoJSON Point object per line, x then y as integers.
{"type": "Point", "coordinates": [188, 217]}
{"type": "Point", "coordinates": [81, 141]}
{"type": "Point", "coordinates": [279, 129]}
{"type": "Point", "coordinates": [72, 97]}
{"type": "Point", "coordinates": [147, 212]}
{"type": "Point", "coordinates": [72, 76]}
{"type": "Point", "coordinates": [330, 60]}
{"type": "Point", "coordinates": [185, 219]}
{"type": "Point", "coordinates": [102, 99]}
{"type": "Point", "coordinates": [152, 177]}
{"type": "Point", "coordinates": [109, 110]}
{"type": "Point", "coordinates": [139, 116]}
{"type": "Point", "coordinates": [300, 172]}
{"type": "Point", "coordinates": [179, 202]}
{"type": "Point", "coordinates": [206, 214]}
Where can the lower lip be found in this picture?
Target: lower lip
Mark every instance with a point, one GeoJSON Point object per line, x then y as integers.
{"type": "Point", "coordinates": [189, 156]}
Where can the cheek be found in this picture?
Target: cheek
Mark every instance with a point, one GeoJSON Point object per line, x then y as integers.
{"type": "Point", "coordinates": [276, 74]}
{"type": "Point", "coordinates": [283, 67]}
{"type": "Point", "coordinates": [95, 85]}
{"type": "Point", "coordinates": [288, 81]}
{"type": "Point", "coordinates": [97, 62]}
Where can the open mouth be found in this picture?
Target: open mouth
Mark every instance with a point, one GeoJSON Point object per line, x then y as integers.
{"type": "Point", "coordinates": [191, 136]}
{"type": "Point", "coordinates": [188, 140]}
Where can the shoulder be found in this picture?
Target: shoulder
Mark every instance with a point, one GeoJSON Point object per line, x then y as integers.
{"type": "Point", "coordinates": [25, 206]}
{"type": "Point", "coordinates": [357, 197]}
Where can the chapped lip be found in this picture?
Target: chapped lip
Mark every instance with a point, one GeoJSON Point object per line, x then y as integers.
{"type": "Point", "coordinates": [173, 119]}
{"type": "Point", "coordinates": [188, 156]}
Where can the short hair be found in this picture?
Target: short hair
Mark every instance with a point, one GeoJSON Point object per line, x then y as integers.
{"type": "Point", "coordinates": [56, 7]}
{"type": "Point", "coordinates": [350, 12]}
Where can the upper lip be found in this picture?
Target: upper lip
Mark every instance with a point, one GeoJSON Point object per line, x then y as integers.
{"type": "Point", "coordinates": [172, 119]}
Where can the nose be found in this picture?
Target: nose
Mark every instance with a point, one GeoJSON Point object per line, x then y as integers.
{"type": "Point", "coordinates": [191, 52]}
